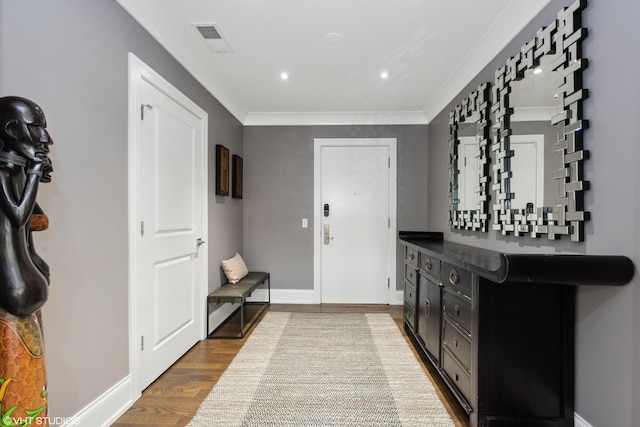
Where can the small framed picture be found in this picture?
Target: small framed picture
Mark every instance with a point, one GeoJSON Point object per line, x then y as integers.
{"type": "Point", "coordinates": [222, 170]}
{"type": "Point", "coordinates": [236, 171]}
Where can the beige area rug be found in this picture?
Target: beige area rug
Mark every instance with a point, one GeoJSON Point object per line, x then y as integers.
{"type": "Point", "coordinates": [324, 369]}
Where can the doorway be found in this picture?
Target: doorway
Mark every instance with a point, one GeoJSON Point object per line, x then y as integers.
{"type": "Point", "coordinates": [168, 223]}
{"type": "Point", "coordinates": [354, 220]}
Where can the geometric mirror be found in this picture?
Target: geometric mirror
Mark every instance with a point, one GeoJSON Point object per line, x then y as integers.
{"type": "Point", "coordinates": [469, 149]}
{"type": "Point", "coordinates": [538, 129]}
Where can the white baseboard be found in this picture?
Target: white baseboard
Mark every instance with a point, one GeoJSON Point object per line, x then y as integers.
{"type": "Point", "coordinates": [399, 298]}
{"type": "Point", "coordinates": [260, 295]}
{"type": "Point", "coordinates": [293, 296]}
{"type": "Point", "coordinates": [580, 422]}
{"type": "Point", "coordinates": [278, 296]}
{"type": "Point", "coordinates": [301, 296]}
{"type": "Point", "coordinates": [105, 410]}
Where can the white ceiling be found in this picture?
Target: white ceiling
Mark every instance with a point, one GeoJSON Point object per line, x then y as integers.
{"type": "Point", "coordinates": [430, 48]}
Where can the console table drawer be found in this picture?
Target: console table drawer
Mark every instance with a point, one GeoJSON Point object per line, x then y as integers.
{"type": "Point", "coordinates": [458, 343]}
{"type": "Point", "coordinates": [430, 266]}
{"type": "Point", "coordinates": [410, 294]}
{"type": "Point", "coordinates": [409, 313]}
{"type": "Point", "coordinates": [458, 309]}
{"type": "Point", "coordinates": [411, 257]}
{"type": "Point", "coordinates": [410, 273]}
{"type": "Point", "coordinates": [457, 374]}
{"type": "Point", "coordinates": [457, 279]}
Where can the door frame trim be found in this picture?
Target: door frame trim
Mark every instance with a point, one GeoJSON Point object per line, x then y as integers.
{"type": "Point", "coordinates": [137, 72]}
{"type": "Point", "coordinates": [318, 143]}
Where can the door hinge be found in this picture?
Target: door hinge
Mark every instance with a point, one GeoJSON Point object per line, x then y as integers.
{"type": "Point", "coordinates": [388, 283]}
{"type": "Point", "coordinates": [142, 107]}
{"type": "Point", "coordinates": [142, 342]}
{"type": "Point", "coordinates": [389, 223]}
{"type": "Point", "coordinates": [142, 228]}
{"type": "Point", "coordinates": [389, 159]}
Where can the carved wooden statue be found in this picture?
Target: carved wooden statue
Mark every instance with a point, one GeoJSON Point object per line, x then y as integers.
{"type": "Point", "coordinates": [24, 276]}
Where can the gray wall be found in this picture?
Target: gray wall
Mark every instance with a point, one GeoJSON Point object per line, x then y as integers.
{"type": "Point", "coordinates": [608, 320]}
{"type": "Point", "coordinates": [278, 191]}
{"type": "Point", "coordinates": [71, 58]}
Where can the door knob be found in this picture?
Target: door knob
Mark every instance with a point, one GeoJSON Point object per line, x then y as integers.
{"type": "Point", "coordinates": [200, 242]}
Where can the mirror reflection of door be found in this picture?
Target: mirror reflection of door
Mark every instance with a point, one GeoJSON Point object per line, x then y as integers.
{"type": "Point", "coordinates": [534, 102]}
{"type": "Point", "coordinates": [528, 160]}
{"type": "Point", "coordinates": [468, 177]}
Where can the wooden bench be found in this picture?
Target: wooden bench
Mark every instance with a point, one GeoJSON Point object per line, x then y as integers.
{"type": "Point", "coordinates": [238, 293]}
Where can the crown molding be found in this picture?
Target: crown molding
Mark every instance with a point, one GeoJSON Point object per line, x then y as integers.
{"type": "Point", "coordinates": [336, 118]}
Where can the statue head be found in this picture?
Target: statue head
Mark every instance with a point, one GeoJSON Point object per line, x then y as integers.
{"type": "Point", "coordinates": [23, 130]}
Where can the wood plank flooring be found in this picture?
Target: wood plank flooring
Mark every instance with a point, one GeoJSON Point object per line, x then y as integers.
{"type": "Point", "coordinates": [176, 395]}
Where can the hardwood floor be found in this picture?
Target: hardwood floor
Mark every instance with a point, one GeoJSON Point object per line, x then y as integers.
{"type": "Point", "coordinates": [176, 395]}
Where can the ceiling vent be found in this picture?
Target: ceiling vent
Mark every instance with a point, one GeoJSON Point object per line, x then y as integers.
{"type": "Point", "coordinates": [213, 38]}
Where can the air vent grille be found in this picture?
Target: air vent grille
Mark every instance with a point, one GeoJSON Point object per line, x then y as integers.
{"type": "Point", "coordinates": [209, 32]}
{"type": "Point", "coordinates": [213, 38]}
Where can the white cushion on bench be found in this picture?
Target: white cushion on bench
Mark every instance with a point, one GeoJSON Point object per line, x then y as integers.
{"type": "Point", "coordinates": [234, 268]}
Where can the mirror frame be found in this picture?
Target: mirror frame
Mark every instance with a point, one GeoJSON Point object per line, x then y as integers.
{"type": "Point", "coordinates": [563, 39]}
{"type": "Point", "coordinates": [478, 102]}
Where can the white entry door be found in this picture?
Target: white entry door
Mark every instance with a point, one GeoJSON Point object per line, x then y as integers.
{"type": "Point", "coordinates": [173, 265]}
{"type": "Point", "coordinates": [355, 221]}
{"type": "Point", "coordinates": [468, 181]}
{"type": "Point", "coordinates": [527, 184]}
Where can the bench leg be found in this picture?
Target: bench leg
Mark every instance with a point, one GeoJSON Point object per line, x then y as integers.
{"type": "Point", "coordinates": [242, 318]}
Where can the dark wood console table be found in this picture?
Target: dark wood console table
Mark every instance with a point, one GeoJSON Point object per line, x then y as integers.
{"type": "Point", "coordinates": [499, 327]}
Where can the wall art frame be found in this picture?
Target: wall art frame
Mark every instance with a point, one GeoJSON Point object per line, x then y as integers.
{"type": "Point", "coordinates": [236, 171]}
{"type": "Point", "coordinates": [473, 109]}
{"type": "Point", "coordinates": [562, 39]}
{"type": "Point", "coordinates": [222, 170]}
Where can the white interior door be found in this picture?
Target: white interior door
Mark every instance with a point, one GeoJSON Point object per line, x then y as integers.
{"type": "Point", "coordinates": [172, 269]}
{"type": "Point", "coordinates": [355, 223]}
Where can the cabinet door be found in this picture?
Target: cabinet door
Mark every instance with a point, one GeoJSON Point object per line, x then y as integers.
{"type": "Point", "coordinates": [429, 316]}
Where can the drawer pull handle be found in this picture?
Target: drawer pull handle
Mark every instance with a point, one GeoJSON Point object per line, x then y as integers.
{"type": "Point", "coordinates": [455, 342]}
{"type": "Point", "coordinates": [456, 309]}
{"type": "Point", "coordinates": [428, 265]}
{"type": "Point", "coordinates": [427, 308]}
{"type": "Point", "coordinates": [457, 378]}
{"type": "Point", "coordinates": [453, 277]}
{"type": "Point", "coordinates": [412, 256]}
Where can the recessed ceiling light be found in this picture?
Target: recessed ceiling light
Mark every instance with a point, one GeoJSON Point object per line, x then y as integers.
{"type": "Point", "coordinates": [384, 75]}
{"type": "Point", "coordinates": [333, 38]}
{"type": "Point", "coordinates": [284, 76]}
{"type": "Point", "coordinates": [537, 70]}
